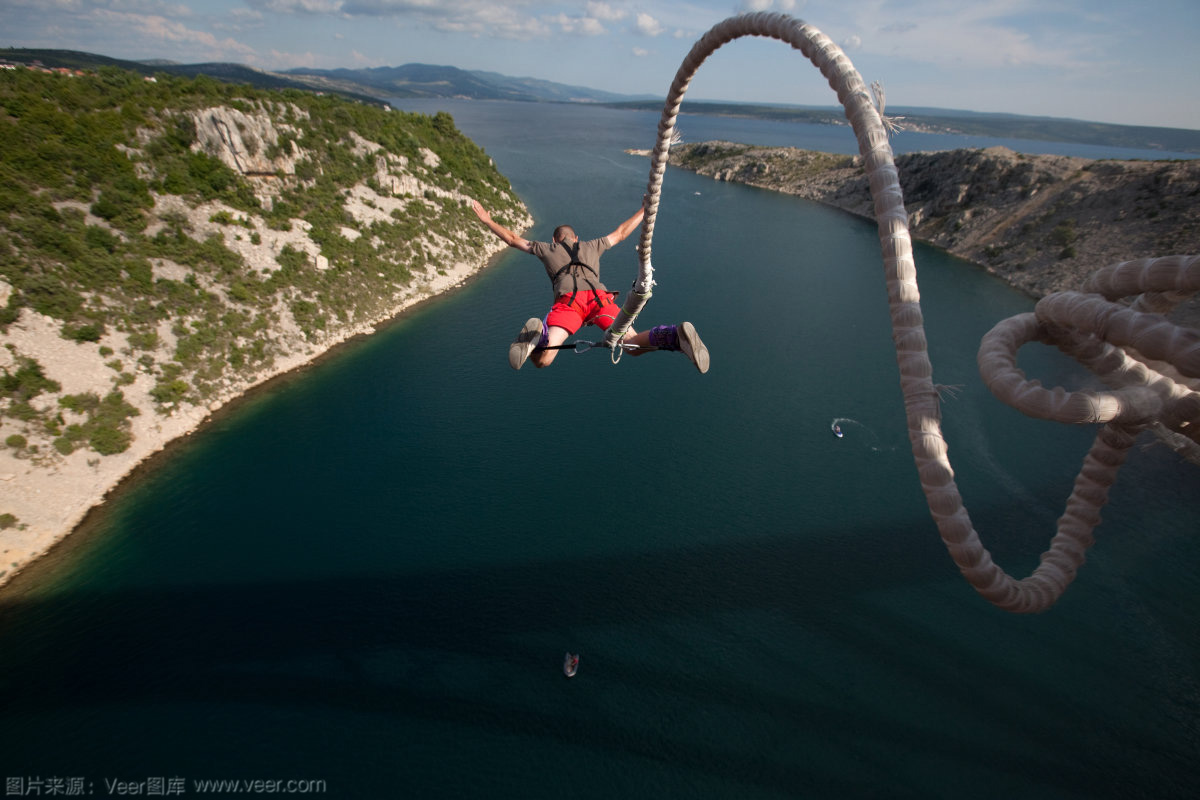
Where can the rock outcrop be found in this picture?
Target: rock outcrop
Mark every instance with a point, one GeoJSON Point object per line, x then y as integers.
{"type": "Point", "coordinates": [249, 143]}
{"type": "Point", "coordinates": [1043, 223]}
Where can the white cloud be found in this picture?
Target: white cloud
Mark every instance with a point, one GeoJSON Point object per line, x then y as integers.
{"type": "Point", "coordinates": [647, 25]}
{"type": "Point", "coordinates": [301, 6]}
{"type": "Point", "coordinates": [81, 7]}
{"type": "Point", "coordinates": [591, 26]}
{"type": "Point", "coordinates": [640, 52]}
{"type": "Point", "coordinates": [786, 6]}
{"type": "Point", "coordinates": [1000, 33]}
{"type": "Point", "coordinates": [161, 29]}
{"type": "Point", "coordinates": [852, 42]}
{"type": "Point", "coordinates": [245, 15]}
{"type": "Point", "coordinates": [605, 11]}
{"type": "Point", "coordinates": [500, 19]}
{"type": "Point", "coordinates": [586, 26]}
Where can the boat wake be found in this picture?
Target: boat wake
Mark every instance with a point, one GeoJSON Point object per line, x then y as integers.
{"type": "Point", "coordinates": [858, 432]}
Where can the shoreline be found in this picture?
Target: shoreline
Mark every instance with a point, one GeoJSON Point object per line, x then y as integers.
{"type": "Point", "coordinates": [56, 504]}
{"type": "Point", "coordinates": [1041, 224]}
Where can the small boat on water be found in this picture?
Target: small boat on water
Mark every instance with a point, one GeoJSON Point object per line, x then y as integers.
{"type": "Point", "coordinates": [571, 665]}
{"type": "Point", "coordinates": [837, 431]}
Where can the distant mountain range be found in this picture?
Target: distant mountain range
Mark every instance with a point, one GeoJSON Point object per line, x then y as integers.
{"type": "Point", "coordinates": [966, 123]}
{"type": "Point", "coordinates": [378, 84]}
{"type": "Point", "coordinates": [428, 80]}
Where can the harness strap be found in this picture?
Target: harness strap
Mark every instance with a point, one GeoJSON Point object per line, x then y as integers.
{"type": "Point", "coordinates": [575, 262]}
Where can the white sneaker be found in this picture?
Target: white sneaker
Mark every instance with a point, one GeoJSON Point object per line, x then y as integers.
{"type": "Point", "coordinates": [522, 346]}
{"type": "Point", "coordinates": [692, 347]}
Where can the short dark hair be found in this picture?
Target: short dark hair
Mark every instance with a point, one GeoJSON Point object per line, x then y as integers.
{"type": "Point", "coordinates": [563, 231]}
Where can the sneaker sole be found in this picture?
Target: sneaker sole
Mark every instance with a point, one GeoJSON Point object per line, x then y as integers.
{"type": "Point", "coordinates": [692, 347]}
{"type": "Point", "coordinates": [522, 346]}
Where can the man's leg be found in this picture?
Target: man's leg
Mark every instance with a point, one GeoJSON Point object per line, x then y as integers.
{"type": "Point", "coordinates": [562, 322]}
{"type": "Point", "coordinates": [555, 336]}
{"type": "Point", "coordinates": [681, 337]}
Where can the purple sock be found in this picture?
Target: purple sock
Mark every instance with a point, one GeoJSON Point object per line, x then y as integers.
{"type": "Point", "coordinates": [545, 340]}
{"type": "Point", "coordinates": [664, 337]}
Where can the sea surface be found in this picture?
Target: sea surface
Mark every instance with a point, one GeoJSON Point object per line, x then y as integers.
{"type": "Point", "coordinates": [364, 578]}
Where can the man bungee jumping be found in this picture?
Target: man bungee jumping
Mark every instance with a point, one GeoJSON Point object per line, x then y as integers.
{"type": "Point", "coordinates": [573, 267]}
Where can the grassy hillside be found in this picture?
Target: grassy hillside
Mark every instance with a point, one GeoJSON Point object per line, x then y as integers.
{"type": "Point", "coordinates": [124, 226]}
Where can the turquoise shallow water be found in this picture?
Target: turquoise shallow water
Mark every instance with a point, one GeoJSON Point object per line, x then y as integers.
{"type": "Point", "coordinates": [369, 573]}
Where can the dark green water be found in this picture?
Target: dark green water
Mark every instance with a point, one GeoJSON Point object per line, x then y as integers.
{"type": "Point", "coordinates": [368, 575]}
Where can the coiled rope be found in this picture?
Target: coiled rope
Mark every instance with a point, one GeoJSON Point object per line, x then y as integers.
{"type": "Point", "coordinates": [1153, 365]}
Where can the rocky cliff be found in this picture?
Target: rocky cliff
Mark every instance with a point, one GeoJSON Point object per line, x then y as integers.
{"type": "Point", "coordinates": [1043, 223]}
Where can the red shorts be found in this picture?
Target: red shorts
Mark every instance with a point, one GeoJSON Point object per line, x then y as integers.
{"type": "Point", "coordinates": [586, 309]}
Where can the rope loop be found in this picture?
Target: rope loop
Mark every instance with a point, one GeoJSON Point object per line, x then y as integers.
{"type": "Point", "coordinates": [1152, 366]}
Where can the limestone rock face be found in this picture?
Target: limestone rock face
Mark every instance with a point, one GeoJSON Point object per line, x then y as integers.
{"type": "Point", "coordinates": [247, 143]}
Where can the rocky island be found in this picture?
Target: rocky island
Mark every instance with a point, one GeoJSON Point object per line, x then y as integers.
{"type": "Point", "coordinates": [167, 244]}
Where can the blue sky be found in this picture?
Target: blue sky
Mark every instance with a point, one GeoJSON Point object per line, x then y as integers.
{"type": "Point", "coordinates": [1124, 62]}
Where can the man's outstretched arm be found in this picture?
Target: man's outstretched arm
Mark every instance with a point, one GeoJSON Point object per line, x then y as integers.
{"type": "Point", "coordinates": [508, 237]}
{"type": "Point", "coordinates": [627, 227]}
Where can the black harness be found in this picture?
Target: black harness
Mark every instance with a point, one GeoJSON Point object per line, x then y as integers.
{"type": "Point", "coordinates": [576, 274]}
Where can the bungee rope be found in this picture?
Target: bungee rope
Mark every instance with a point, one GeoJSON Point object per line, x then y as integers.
{"type": "Point", "coordinates": [1153, 365]}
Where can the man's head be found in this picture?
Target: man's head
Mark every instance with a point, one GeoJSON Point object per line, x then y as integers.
{"type": "Point", "coordinates": [565, 234]}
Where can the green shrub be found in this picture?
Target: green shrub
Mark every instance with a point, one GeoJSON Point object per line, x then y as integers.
{"type": "Point", "coordinates": [10, 312]}
{"type": "Point", "coordinates": [16, 441]}
{"type": "Point", "coordinates": [28, 381]}
{"type": "Point", "coordinates": [22, 411]}
{"type": "Point", "coordinates": [225, 218]}
{"type": "Point", "coordinates": [100, 239]}
{"type": "Point", "coordinates": [139, 276]}
{"type": "Point", "coordinates": [1063, 233]}
{"type": "Point", "coordinates": [7, 521]}
{"type": "Point", "coordinates": [107, 427]}
{"type": "Point", "coordinates": [172, 391]}
{"type": "Point", "coordinates": [48, 295]}
{"type": "Point", "coordinates": [85, 403]}
{"type": "Point", "coordinates": [109, 440]}
{"type": "Point", "coordinates": [90, 332]}
{"type": "Point", "coordinates": [143, 340]}
{"type": "Point", "coordinates": [123, 202]}
{"type": "Point", "coordinates": [309, 317]}
{"type": "Point", "coordinates": [75, 434]}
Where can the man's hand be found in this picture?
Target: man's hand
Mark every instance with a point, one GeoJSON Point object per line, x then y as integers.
{"type": "Point", "coordinates": [508, 237]}
{"type": "Point", "coordinates": [628, 226]}
{"type": "Point", "coordinates": [481, 212]}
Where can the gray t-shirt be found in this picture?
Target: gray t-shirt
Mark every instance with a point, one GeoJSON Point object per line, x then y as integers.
{"type": "Point", "coordinates": [555, 256]}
